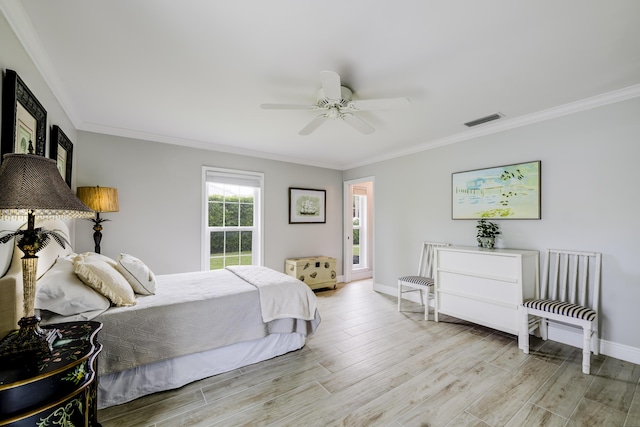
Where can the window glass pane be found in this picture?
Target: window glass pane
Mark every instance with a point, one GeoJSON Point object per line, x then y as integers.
{"type": "Point", "coordinates": [232, 243]}
{"type": "Point", "coordinates": [231, 260]}
{"type": "Point", "coordinates": [246, 242]}
{"type": "Point", "coordinates": [231, 212]}
{"type": "Point", "coordinates": [356, 247]}
{"type": "Point", "coordinates": [246, 215]}
{"type": "Point", "coordinates": [215, 213]}
{"type": "Point", "coordinates": [216, 263]}
{"type": "Point", "coordinates": [246, 260]}
{"type": "Point", "coordinates": [217, 243]}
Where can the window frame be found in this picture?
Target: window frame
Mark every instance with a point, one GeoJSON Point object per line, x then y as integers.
{"type": "Point", "coordinates": [258, 208]}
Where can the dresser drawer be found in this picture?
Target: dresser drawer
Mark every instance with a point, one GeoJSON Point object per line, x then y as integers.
{"type": "Point", "coordinates": [487, 264]}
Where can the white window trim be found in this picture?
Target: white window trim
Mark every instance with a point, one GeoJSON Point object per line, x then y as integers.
{"type": "Point", "coordinates": [204, 214]}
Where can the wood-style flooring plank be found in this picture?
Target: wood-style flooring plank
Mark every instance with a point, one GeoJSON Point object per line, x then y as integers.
{"type": "Point", "coordinates": [370, 365]}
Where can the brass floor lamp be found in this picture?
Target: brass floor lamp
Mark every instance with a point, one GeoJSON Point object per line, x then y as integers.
{"type": "Point", "coordinates": [100, 199]}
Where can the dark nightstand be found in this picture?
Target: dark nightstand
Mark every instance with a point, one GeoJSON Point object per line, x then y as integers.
{"type": "Point", "coordinates": [60, 388]}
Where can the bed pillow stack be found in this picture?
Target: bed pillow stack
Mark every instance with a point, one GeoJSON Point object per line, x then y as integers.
{"type": "Point", "coordinates": [61, 292]}
{"type": "Point", "coordinates": [99, 272]}
{"type": "Point", "coordinates": [80, 287]}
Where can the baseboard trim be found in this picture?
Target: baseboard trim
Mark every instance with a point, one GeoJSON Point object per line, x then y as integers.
{"type": "Point", "coordinates": [557, 332]}
{"type": "Point", "coordinates": [573, 337]}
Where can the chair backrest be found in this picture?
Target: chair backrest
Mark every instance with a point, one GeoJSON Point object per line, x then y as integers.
{"type": "Point", "coordinates": [425, 267]}
{"type": "Point", "coordinates": [572, 276]}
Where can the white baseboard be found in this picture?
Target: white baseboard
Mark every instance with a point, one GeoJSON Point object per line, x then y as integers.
{"type": "Point", "coordinates": [557, 332]}
{"type": "Point", "coordinates": [573, 337]}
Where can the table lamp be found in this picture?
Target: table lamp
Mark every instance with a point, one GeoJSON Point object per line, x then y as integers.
{"type": "Point", "coordinates": [100, 199]}
{"type": "Point", "coordinates": [32, 186]}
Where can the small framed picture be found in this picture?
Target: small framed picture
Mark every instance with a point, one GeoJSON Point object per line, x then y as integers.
{"type": "Point", "coordinates": [307, 206]}
{"type": "Point", "coordinates": [61, 150]}
{"type": "Point", "coordinates": [24, 119]}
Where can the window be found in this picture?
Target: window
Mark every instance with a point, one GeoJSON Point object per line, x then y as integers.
{"type": "Point", "coordinates": [232, 218]}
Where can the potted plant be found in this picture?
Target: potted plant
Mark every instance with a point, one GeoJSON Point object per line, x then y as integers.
{"type": "Point", "coordinates": [487, 232]}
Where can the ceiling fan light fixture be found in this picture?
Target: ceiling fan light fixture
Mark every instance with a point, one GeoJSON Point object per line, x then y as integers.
{"type": "Point", "coordinates": [484, 119]}
{"type": "Point", "coordinates": [336, 103]}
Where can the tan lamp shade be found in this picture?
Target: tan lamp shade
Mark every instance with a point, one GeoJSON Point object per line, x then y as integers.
{"type": "Point", "coordinates": [100, 199]}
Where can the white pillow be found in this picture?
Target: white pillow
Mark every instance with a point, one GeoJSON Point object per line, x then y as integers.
{"type": "Point", "coordinates": [139, 276]}
{"type": "Point", "coordinates": [96, 256]}
{"type": "Point", "coordinates": [60, 291]}
{"type": "Point", "coordinates": [105, 279]}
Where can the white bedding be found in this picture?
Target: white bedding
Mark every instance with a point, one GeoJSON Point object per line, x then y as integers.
{"type": "Point", "coordinates": [190, 313]}
{"type": "Point", "coordinates": [124, 386]}
{"type": "Point", "coordinates": [281, 296]}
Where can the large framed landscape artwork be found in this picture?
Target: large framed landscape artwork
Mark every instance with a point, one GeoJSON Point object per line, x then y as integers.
{"type": "Point", "coordinates": [501, 192]}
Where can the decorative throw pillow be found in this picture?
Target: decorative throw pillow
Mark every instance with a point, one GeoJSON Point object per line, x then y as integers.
{"type": "Point", "coordinates": [96, 256]}
{"type": "Point", "coordinates": [60, 291]}
{"type": "Point", "coordinates": [139, 276]}
{"type": "Point", "coordinates": [105, 279]}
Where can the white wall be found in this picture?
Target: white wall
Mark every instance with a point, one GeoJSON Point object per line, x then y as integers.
{"type": "Point", "coordinates": [160, 194]}
{"type": "Point", "coordinates": [589, 202]}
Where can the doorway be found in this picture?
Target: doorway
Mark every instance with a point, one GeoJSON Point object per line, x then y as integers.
{"type": "Point", "coordinates": [358, 226]}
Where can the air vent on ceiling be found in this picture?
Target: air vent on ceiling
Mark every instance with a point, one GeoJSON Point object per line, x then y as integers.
{"type": "Point", "coordinates": [482, 120]}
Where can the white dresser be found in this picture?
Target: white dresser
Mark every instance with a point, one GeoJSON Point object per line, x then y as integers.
{"type": "Point", "coordinates": [484, 286]}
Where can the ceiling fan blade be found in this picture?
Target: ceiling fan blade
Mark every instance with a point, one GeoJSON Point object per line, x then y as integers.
{"type": "Point", "coordinates": [287, 107]}
{"type": "Point", "coordinates": [331, 85]}
{"type": "Point", "coordinates": [358, 123]}
{"type": "Point", "coordinates": [379, 104]}
{"type": "Point", "coordinates": [313, 125]}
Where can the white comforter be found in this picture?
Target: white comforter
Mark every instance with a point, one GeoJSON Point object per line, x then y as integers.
{"type": "Point", "coordinates": [281, 296]}
{"type": "Point", "coordinates": [194, 312]}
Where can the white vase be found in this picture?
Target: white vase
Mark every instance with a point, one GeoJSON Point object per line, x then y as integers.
{"type": "Point", "coordinates": [486, 242]}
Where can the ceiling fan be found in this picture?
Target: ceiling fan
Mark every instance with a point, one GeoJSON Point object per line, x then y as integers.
{"type": "Point", "coordinates": [334, 102]}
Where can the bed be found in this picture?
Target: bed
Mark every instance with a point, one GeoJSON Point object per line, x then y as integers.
{"type": "Point", "coordinates": [166, 330]}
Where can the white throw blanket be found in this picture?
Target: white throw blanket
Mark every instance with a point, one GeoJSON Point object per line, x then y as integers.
{"type": "Point", "coordinates": [281, 296]}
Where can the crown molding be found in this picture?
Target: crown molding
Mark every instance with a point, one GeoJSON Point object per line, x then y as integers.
{"type": "Point", "coordinates": [512, 123]}
{"type": "Point", "coordinates": [204, 145]}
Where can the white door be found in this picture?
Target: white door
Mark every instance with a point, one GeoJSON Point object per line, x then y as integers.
{"type": "Point", "coordinates": [358, 226]}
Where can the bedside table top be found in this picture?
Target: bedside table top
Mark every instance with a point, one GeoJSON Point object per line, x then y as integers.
{"type": "Point", "coordinates": [76, 344]}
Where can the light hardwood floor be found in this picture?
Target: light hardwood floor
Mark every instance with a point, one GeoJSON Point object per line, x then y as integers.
{"type": "Point", "coordinates": [368, 365]}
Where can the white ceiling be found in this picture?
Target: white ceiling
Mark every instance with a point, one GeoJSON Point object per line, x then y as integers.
{"type": "Point", "coordinates": [195, 72]}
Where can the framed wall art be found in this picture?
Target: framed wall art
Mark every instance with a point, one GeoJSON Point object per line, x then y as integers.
{"type": "Point", "coordinates": [501, 192]}
{"type": "Point", "coordinates": [61, 150]}
{"type": "Point", "coordinates": [307, 206]}
{"type": "Point", "coordinates": [24, 119]}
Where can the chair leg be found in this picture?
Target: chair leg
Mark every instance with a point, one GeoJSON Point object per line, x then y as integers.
{"type": "Point", "coordinates": [586, 350]}
{"type": "Point", "coordinates": [543, 327]}
{"type": "Point", "coordinates": [595, 339]}
{"type": "Point", "coordinates": [523, 334]}
{"type": "Point", "coordinates": [399, 295]}
{"type": "Point", "coordinates": [426, 305]}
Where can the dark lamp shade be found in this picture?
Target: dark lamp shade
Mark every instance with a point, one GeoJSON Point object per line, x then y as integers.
{"type": "Point", "coordinates": [100, 199]}
{"type": "Point", "coordinates": [30, 183]}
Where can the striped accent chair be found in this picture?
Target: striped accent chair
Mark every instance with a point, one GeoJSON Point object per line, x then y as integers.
{"type": "Point", "coordinates": [423, 281]}
{"type": "Point", "coordinates": [569, 293]}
